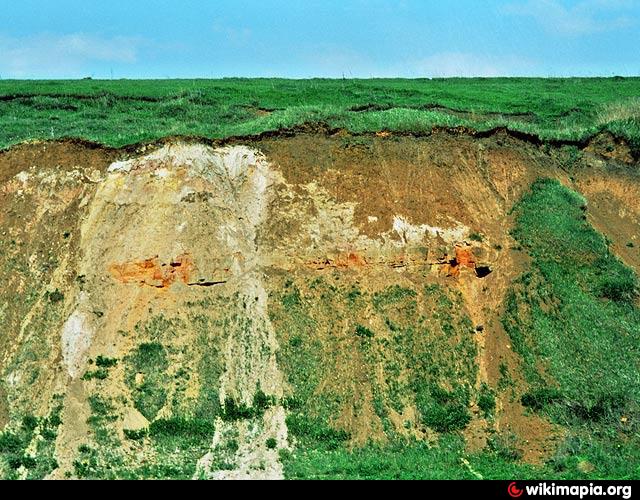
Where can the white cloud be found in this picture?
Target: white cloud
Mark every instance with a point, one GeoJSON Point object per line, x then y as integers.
{"type": "Point", "coordinates": [337, 61]}
{"type": "Point", "coordinates": [234, 35]}
{"type": "Point", "coordinates": [340, 61]}
{"type": "Point", "coordinates": [464, 64]}
{"type": "Point", "coordinates": [67, 55]}
{"type": "Point", "coordinates": [584, 18]}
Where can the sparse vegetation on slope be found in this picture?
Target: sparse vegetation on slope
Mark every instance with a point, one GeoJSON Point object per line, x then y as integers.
{"type": "Point", "coordinates": [27, 451]}
{"type": "Point", "coordinates": [575, 320]}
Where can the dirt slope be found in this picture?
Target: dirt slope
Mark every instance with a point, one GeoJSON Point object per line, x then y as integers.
{"type": "Point", "coordinates": [315, 279]}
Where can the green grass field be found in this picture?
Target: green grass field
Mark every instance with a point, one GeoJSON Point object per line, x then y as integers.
{"type": "Point", "coordinates": [118, 113]}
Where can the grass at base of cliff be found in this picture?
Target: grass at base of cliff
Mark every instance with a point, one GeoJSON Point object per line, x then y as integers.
{"type": "Point", "coordinates": [447, 460]}
{"type": "Point", "coordinates": [28, 450]}
{"type": "Point", "coordinates": [405, 460]}
{"type": "Point", "coordinates": [171, 448]}
{"type": "Point", "coordinates": [421, 346]}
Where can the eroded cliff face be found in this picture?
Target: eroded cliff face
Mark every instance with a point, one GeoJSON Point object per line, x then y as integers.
{"type": "Point", "coordinates": [196, 311]}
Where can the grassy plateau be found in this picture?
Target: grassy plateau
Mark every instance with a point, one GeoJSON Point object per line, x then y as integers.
{"type": "Point", "coordinates": [118, 113]}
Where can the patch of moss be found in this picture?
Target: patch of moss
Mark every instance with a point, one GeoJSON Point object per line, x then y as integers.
{"type": "Point", "coordinates": [444, 411]}
{"type": "Point", "coordinates": [148, 361]}
{"type": "Point", "coordinates": [487, 401]}
{"type": "Point", "coordinates": [315, 433]}
{"type": "Point", "coordinates": [393, 295]}
{"type": "Point", "coordinates": [271, 444]}
{"type": "Point", "coordinates": [100, 374]}
{"type": "Point", "coordinates": [104, 362]}
{"type": "Point", "coordinates": [234, 410]}
{"type": "Point", "coordinates": [364, 333]}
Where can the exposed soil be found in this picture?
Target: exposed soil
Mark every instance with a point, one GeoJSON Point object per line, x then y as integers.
{"type": "Point", "coordinates": [151, 272]}
{"type": "Point", "coordinates": [123, 239]}
{"type": "Point", "coordinates": [64, 156]}
{"type": "Point", "coordinates": [611, 148]}
{"type": "Point", "coordinates": [613, 194]}
{"type": "Point", "coordinates": [4, 411]}
{"type": "Point", "coordinates": [439, 171]}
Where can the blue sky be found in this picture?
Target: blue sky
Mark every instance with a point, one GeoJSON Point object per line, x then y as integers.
{"type": "Point", "coordinates": [324, 38]}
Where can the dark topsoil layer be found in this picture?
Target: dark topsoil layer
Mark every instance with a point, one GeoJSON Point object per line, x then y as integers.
{"type": "Point", "coordinates": [73, 152]}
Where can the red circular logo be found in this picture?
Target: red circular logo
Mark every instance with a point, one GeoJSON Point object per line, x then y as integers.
{"type": "Point", "coordinates": [514, 491]}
